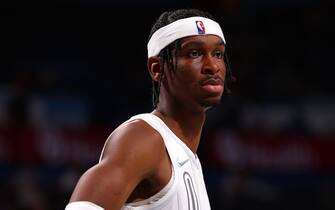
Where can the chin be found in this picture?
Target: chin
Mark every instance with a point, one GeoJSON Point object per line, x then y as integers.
{"type": "Point", "coordinates": [210, 102]}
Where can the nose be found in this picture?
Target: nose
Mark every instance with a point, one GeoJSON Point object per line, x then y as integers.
{"type": "Point", "coordinates": [210, 65]}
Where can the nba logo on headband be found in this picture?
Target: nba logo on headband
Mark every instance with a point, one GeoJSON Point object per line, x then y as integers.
{"type": "Point", "coordinates": [200, 27]}
{"type": "Point", "coordinates": [182, 28]}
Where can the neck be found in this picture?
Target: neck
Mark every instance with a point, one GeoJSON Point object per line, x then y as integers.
{"type": "Point", "coordinates": [185, 124]}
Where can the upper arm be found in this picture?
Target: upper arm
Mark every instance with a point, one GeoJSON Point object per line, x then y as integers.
{"type": "Point", "coordinates": [132, 153]}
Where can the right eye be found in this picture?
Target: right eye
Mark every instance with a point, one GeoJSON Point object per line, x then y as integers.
{"type": "Point", "coordinates": [195, 53]}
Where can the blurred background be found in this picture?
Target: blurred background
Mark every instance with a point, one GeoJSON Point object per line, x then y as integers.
{"type": "Point", "coordinates": [73, 71]}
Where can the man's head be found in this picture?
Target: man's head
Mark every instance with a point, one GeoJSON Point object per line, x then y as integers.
{"type": "Point", "coordinates": [168, 34]}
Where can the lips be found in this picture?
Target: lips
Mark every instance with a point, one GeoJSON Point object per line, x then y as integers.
{"type": "Point", "coordinates": [212, 81]}
{"type": "Point", "coordinates": [213, 85]}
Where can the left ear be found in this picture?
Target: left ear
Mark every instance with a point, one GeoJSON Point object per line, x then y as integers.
{"type": "Point", "coordinates": [154, 68]}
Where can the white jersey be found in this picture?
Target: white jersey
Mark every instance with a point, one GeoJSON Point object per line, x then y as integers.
{"type": "Point", "coordinates": [186, 189]}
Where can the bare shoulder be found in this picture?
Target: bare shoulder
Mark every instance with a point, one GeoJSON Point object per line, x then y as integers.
{"type": "Point", "coordinates": [132, 153]}
{"type": "Point", "coordinates": [135, 139]}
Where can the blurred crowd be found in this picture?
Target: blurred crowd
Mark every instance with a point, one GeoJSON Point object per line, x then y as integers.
{"type": "Point", "coordinates": [68, 80]}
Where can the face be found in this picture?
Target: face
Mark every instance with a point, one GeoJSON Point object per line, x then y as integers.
{"type": "Point", "coordinates": [200, 71]}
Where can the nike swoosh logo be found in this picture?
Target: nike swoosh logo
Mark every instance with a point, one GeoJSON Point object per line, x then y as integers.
{"type": "Point", "coordinates": [181, 163]}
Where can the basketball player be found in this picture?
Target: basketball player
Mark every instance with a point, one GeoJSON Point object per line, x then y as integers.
{"type": "Point", "coordinates": [150, 161]}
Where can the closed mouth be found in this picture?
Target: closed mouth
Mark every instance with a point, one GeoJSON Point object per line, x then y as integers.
{"type": "Point", "coordinates": [212, 81]}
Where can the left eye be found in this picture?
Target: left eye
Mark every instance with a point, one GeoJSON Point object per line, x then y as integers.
{"type": "Point", "coordinates": [218, 54]}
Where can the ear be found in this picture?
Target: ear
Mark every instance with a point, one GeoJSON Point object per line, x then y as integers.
{"type": "Point", "coordinates": [154, 68]}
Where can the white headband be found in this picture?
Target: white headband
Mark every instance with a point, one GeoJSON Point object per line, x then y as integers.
{"type": "Point", "coordinates": [182, 28]}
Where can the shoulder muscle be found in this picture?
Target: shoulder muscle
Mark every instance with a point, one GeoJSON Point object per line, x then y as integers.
{"type": "Point", "coordinates": [132, 153]}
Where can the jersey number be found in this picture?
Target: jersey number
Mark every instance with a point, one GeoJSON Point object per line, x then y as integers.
{"type": "Point", "coordinates": [192, 197]}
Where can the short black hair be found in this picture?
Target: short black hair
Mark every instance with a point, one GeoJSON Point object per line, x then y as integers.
{"type": "Point", "coordinates": [165, 54]}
